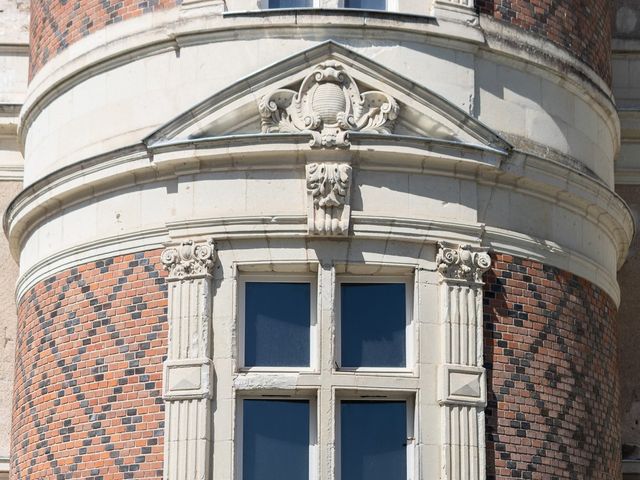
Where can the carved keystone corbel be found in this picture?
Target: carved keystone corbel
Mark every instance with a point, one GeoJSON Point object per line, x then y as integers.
{"type": "Point", "coordinates": [189, 260]}
{"type": "Point", "coordinates": [329, 198]}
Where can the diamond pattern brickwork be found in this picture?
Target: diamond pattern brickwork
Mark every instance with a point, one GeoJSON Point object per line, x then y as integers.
{"type": "Point", "coordinates": [550, 353]}
{"type": "Point", "coordinates": [88, 390]}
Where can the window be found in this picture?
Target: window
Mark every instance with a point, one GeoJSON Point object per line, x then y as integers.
{"type": "Point", "coordinates": [290, 3]}
{"type": "Point", "coordinates": [326, 351]}
{"type": "Point", "coordinates": [366, 4]}
{"type": "Point", "coordinates": [382, 5]}
{"type": "Point", "coordinates": [277, 439]}
{"type": "Point", "coordinates": [374, 323]}
{"type": "Point", "coordinates": [373, 440]}
{"type": "Point", "coordinates": [278, 322]}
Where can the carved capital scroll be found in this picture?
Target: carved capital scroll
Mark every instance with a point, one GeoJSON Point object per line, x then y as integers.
{"type": "Point", "coordinates": [189, 260]}
{"type": "Point", "coordinates": [329, 191]}
{"type": "Point", "coordinates": [462, 263]}
{"type": "Point", "coordinates": [328, 106]}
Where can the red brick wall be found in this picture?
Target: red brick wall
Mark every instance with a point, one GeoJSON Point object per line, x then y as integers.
{"type": "Point", "coordinates": [550, 351]}
{"type": "Point", "coordinates": [88, 385]}
{"type": "Point", "coordinates": [56, 24]}
{"type": "Point", "coordinates": [583, 27]}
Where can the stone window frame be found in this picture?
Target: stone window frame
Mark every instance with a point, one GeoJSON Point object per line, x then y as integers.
{"type": "Point", "coordinates": [342, 381]}
{"type": "Point", "coordinates": [314, 337]}
{"type": "Point", "coordinates": [457, 398]}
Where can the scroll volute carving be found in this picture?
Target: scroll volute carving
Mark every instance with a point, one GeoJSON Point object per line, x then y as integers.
{"type": "Point", "coordinates": [462, 263]}
{"type": "Point", "coordinates": [328, 106]}
{"type": "Point", "coordinates": [189, 260]}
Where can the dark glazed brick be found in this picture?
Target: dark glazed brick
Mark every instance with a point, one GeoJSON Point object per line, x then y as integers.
{"type": "Point", "coordinates": [552, 375]}
{"type": "Point", "coordinates": [76, 416]}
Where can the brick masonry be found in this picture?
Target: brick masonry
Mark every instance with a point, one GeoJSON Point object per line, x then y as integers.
{"type": "Point", "coordinates": [56, 24]}
{"type": "Point", "coordinates": [582, 27]}
{"type": "Point", "coordinates": [91, 342]}
{"type": "Point", "coordinates": [88, 386]}
{"type": "Point", "coordinates": [550, 351]}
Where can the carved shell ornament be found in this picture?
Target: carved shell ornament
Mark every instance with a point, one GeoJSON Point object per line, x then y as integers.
{"type": "Point", "coordinates": [328, 106]}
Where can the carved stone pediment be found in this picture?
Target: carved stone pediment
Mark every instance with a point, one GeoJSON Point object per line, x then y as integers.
{"type": "Point", "coordinates": [334, 96]}
{"type": "Point", "coordinates": [329, 192]}
{"type": "Point", "coordinates": [328, 106]}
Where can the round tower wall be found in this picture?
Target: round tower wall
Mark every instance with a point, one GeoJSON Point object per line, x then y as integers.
{"type": "Point", "coordinates": [88, 378]}
{"type": "Point", "coordinates": [551, 358]}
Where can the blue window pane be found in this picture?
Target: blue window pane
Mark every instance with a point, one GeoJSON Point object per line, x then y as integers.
{"type": "Point", "coordinates": [373, 325]}
{"type": "Point", "coordinates": [275, 441]}
{"type": "Point", "coordinates": [366, 4]}
{"type": "Point", "coordinates": [373, 440]}
{"type": "Point", "coordinates": [277, 324]}
{"type": "Point", "coordinates": [290, 3]}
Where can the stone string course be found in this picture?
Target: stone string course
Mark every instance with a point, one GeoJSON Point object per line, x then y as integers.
{"type": "Point", "coordinates": [92, 339]}
{"type": "Point", "coordinates": [90, 347]}
{"type": "Point", "coordinates": [582, 27]}
{"type": "Point", "coordinates": [550, 353]}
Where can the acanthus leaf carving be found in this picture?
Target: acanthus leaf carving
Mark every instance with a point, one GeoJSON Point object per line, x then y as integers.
{"type": "Point", "coordinates": [189, 260]}
{"type": "Point", "coordinates": [328, 106]}
{"type": "Point", "coordinates": [462, 263]}
{"type": "Point", "coordinates": [329, 190]}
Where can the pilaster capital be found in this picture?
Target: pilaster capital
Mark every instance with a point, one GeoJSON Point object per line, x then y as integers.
{"type": "Point", "coordinates": [462, 262]}
{"type": "Point", "coordinates": [189, 260]}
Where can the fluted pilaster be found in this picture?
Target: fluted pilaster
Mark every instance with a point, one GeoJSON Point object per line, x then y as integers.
{"type": "Point", "coordinates": [462, 376]}
{"type": "Point", "coordinates": [188, 370]}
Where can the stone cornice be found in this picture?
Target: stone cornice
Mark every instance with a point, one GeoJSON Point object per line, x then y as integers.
{"type": "Point", "coordinates": [545, 180]}
{"type": "Point", "coordinates": [568, 187]}
{"type": "Point", "coordinates": [364, 227]}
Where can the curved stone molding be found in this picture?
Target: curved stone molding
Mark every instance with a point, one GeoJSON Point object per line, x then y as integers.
{"type": "Point", "coordinates": [189, 260]}
{"type": "Point", "coordinates": [462, 263]}
{"type": "Point", "coordinates": [328, 106]}
{"type": "Point", "coordinates": [462, 389]}
{"type": "Point", "coordinates": [329, 192]}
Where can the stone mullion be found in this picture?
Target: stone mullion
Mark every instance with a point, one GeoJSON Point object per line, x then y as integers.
{"type": "Point", "coordinates": [462, 377]}
{"type": "Point", "coordinates": [188, 368]}
{"type": "Point", "coordinates": [326, 393]}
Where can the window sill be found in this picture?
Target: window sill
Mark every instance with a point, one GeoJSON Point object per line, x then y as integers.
{"type": "Point", "coordinates": [261, 370]}
{"type": "Point", "coordinates": [408, 372]}
{"type": "Point", "coordinates": [329, 12]}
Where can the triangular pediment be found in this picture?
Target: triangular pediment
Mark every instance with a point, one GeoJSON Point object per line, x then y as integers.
{"type": "Point", "coordinates": [330, 94]}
